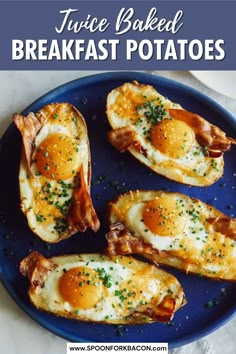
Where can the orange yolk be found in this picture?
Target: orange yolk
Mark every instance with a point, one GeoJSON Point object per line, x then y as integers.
{"type": "Point", "coordinates": [172, 137]}
{"type": "Point", "coordinates": [81, 287]}
{"type": "Point", "coordinates": [163, 218]}
{"type": "Point", "coordinates": [57, 157]}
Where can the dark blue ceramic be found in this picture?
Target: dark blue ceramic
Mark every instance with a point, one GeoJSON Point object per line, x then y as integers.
{"type": "Point", "coordinates": [210, 303]}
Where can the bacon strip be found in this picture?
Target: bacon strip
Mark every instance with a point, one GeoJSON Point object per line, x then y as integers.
{"type": "Point", "coordinates": [164, 312]}
{"type": "Point", "coordinates": [122, 242]}
{"type": "Point", "coordinates": [123, 138]}
{"type": "Point", "coordinates": [29, 127]}
{"type": "Point", "coordinates": [81, 214]}
{"type": "Point", "coordinates": [35, 267]}
{"type": "Point", "coordinates": [226, 226]}
{"type": "Point", "coordinates": [206, 134]}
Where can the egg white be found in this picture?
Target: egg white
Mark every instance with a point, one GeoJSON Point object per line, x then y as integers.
{"type": "Point", "coordinates": [31, 182]}
{"type": "Point", "coordinates": [192, 168]}
{"type": "Point", "coordinates": [109, 307]}
{"type": "Point", "coordinates": [199, 248]}
{"type": "Point", "coordinates": [52, 299]}
{"type": "Point", "coordinates": [194, 231]}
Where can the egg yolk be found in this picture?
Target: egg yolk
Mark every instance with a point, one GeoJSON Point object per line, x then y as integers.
{"type": "Point", "coordinates": [163, 217]}
{"type": "Point", "coordinates": [81, 287]}
{"type": "Point", "coordinates": [172, 137]}
{"type": "Point", "coordinates": [57, 157]}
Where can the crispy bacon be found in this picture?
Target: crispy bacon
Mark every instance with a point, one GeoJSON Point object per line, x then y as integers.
{"type": "Point", "coordinates": [123, 138]}
{"type": "Point", "coordinates": [29, 127]}
{"type": "Point", "coordinates": [81, 214]}
{"type": "Point", "coordinates": [122, 242]}
{"type": "Point", "coordinates": [206, 134]}
{"type": "Point", "coordinates": [226, 226]}
{"type": "Point", "coordinates": [163, 312]}
{"type": "Point", "coordinates": [35, 267]}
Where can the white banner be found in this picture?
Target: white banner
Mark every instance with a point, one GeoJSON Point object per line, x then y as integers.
{"type": "Point", "coordinates": [112, 348]}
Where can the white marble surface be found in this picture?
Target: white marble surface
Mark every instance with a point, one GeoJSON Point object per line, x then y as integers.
{"type": "Point", "coordinates": [18, 333]}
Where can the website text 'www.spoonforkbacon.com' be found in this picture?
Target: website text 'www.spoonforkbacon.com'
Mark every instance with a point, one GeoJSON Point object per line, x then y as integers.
{"type": "Point", "coordinates": [131, 348]}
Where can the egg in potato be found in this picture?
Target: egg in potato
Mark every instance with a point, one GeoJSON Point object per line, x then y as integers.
{"type": "Point", "coordinates": [175, 230]}
{"type": "Point", "coordinates": [173, 142]}
{"type": "Point", "coordinates": [54, 173]}
{"type": "Point", "coordinates": [93, 287]}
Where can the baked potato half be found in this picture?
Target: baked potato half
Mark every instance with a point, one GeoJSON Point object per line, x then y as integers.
{"type": "Point", "coordinates": [97, 288]}
{"type": "Point", "coordinates": [175, 230]}
{"type": "Point", "coordinates": [55, 172]}
{"type": "Point", "coordinates": [171, 141]}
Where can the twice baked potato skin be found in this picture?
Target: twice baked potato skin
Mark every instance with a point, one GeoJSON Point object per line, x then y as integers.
{"type": "Point", "coordinates": [55, 172]}
{"type": "Point", "coordinates": [175, 230]}
{"type": "Point", "coordinates": [171, 141]}
{"type": "Point", "coordinates": [97, 288]}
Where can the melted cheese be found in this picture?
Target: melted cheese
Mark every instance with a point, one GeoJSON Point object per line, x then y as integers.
{"type": "Point", "coordinates": [182, 159]}
{"type": "Point", "coordinates": [197, 247]}
{"type": "Point", "coordinates": [97, 288]}
{"type": "Point", "coordinates": [60, 149]}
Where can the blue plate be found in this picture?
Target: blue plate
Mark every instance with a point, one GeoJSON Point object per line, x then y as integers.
{"type": "Point", "coordinates": [121, 172]}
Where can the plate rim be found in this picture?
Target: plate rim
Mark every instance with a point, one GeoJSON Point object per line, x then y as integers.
{"type": "Point", "coordinates": [215, 325]}
{"type": "Point", "coordinates": [94, 79]}
{"type": "Point", "coordinates": [135, 75]}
